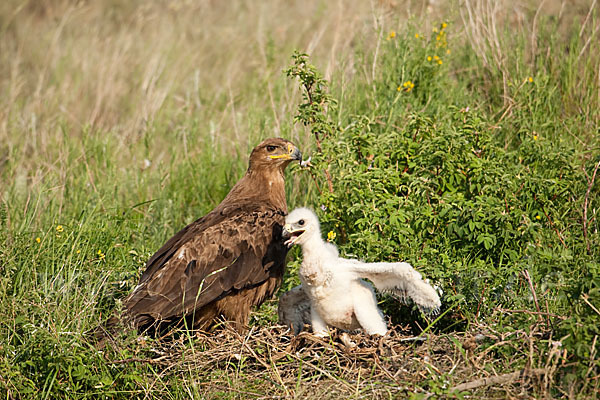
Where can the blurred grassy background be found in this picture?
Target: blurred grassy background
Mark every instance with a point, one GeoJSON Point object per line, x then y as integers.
{"type": "Point", "coordinates": [109, 92]}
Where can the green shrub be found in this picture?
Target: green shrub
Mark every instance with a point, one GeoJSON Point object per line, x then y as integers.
{"type": "Point", "coordinates": [496, 224]}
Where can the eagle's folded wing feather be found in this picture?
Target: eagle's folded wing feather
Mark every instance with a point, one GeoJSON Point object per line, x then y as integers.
{"type": "Point", "coordinates": [206, 263]}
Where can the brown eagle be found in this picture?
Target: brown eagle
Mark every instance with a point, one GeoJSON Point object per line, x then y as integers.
{"type": "Point", "coordinates": [226, 262]}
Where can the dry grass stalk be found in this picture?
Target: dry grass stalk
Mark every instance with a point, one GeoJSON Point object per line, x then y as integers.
{"type": "Point", "coordinates": [480, 18]}
{"type": "Point", "coordinates": [498, 380]}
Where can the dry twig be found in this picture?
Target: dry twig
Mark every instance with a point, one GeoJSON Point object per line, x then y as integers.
{"type": "Point", "coordinates": [498, 380]}
{"type": "Point", "coordinates": [531, 288]}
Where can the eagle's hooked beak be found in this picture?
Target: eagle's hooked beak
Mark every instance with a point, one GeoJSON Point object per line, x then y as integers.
{"type": "Point", "coordinates": [294, 152]}
{"type": "Point", "coordinates": [287, 230]}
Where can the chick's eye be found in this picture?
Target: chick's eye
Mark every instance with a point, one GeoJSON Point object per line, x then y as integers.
{"type": "Point", "coordinates": [301, 222]}
{"type": "Point", "coordinates": [271, 148]}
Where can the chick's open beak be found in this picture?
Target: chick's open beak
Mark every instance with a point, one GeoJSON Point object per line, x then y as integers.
{"type": "Point", "coordinates": [291, 235]}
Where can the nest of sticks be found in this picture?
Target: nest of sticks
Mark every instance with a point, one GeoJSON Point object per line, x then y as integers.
{"type": "Point", "coordinates": [270, 362]}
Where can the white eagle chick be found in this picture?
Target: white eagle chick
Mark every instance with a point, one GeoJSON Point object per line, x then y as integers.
{"type": "Point", "coordinates": [333, 288]}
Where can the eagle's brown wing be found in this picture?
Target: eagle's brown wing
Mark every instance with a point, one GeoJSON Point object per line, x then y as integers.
{"type": "Point", "coordinates": [228, 250]}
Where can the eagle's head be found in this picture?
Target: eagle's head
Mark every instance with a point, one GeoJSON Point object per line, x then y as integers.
{"type": "Point", "coordinates": [274, 153]}
{"type": "Point", "coordinates": [301, 225]}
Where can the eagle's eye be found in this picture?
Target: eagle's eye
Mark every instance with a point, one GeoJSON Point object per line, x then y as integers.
{"type": "Point", "coordinates": [271, 148]}
{"type": "Point", "coordinates": [301, 222]}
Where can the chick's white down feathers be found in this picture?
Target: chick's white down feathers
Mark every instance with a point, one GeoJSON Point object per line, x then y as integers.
{"type": "Point", "coordinates": [333, 292]}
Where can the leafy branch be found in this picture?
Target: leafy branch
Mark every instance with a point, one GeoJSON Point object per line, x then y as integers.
{"type": "Point", "coordinates": [312, 112]}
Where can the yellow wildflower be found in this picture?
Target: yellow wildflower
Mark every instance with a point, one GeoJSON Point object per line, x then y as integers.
{"type": "Point", "coordinates": [436, 58]}
{"type": "Point", "coordinates": [78, 251]}
{"type": "Point", "coordinates": [101, 254]}
{"type": "Point", "coordinates": [417, 35]}
{"type": "Point", "coordinates": [444, 25]}
{"type": "Point", "coordinates": [530, 79]}
{"type": "Point", "coordinates": [448, 51]}
{"type": "Point", "coordinates": [391, 35]}
{"type": "Point", "coordinates": [538, 217]}
{"type": "Point", "coordinates": [406, 86]}
{"type": "Point", "coordinates": [439, 62]}
{"type": "Point", "coordinates": [535, 137]}
{"type": "Point", "coordinates": [59, 228]}
{"type": "Point", "coordinates": [438, 38]}
{"type": "Point", "coordinates": [38, 240]}
{"type": "Point", "coordinates": [331, 235]}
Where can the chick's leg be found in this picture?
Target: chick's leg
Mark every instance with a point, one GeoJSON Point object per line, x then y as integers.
{"type": "Point", "coordinates": [366, 311]}
{"type": "Point", "coordinates": [319, 326]}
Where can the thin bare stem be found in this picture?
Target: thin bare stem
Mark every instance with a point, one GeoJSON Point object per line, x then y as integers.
{"type": "Point", "coordinates": [585, 298]}
{"type": "Point", "coordinates": [535, 300]}
{"type": "Point", "coordinates": [587, 18]}
{"type": "Point", "coordinates": [585, 208]}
